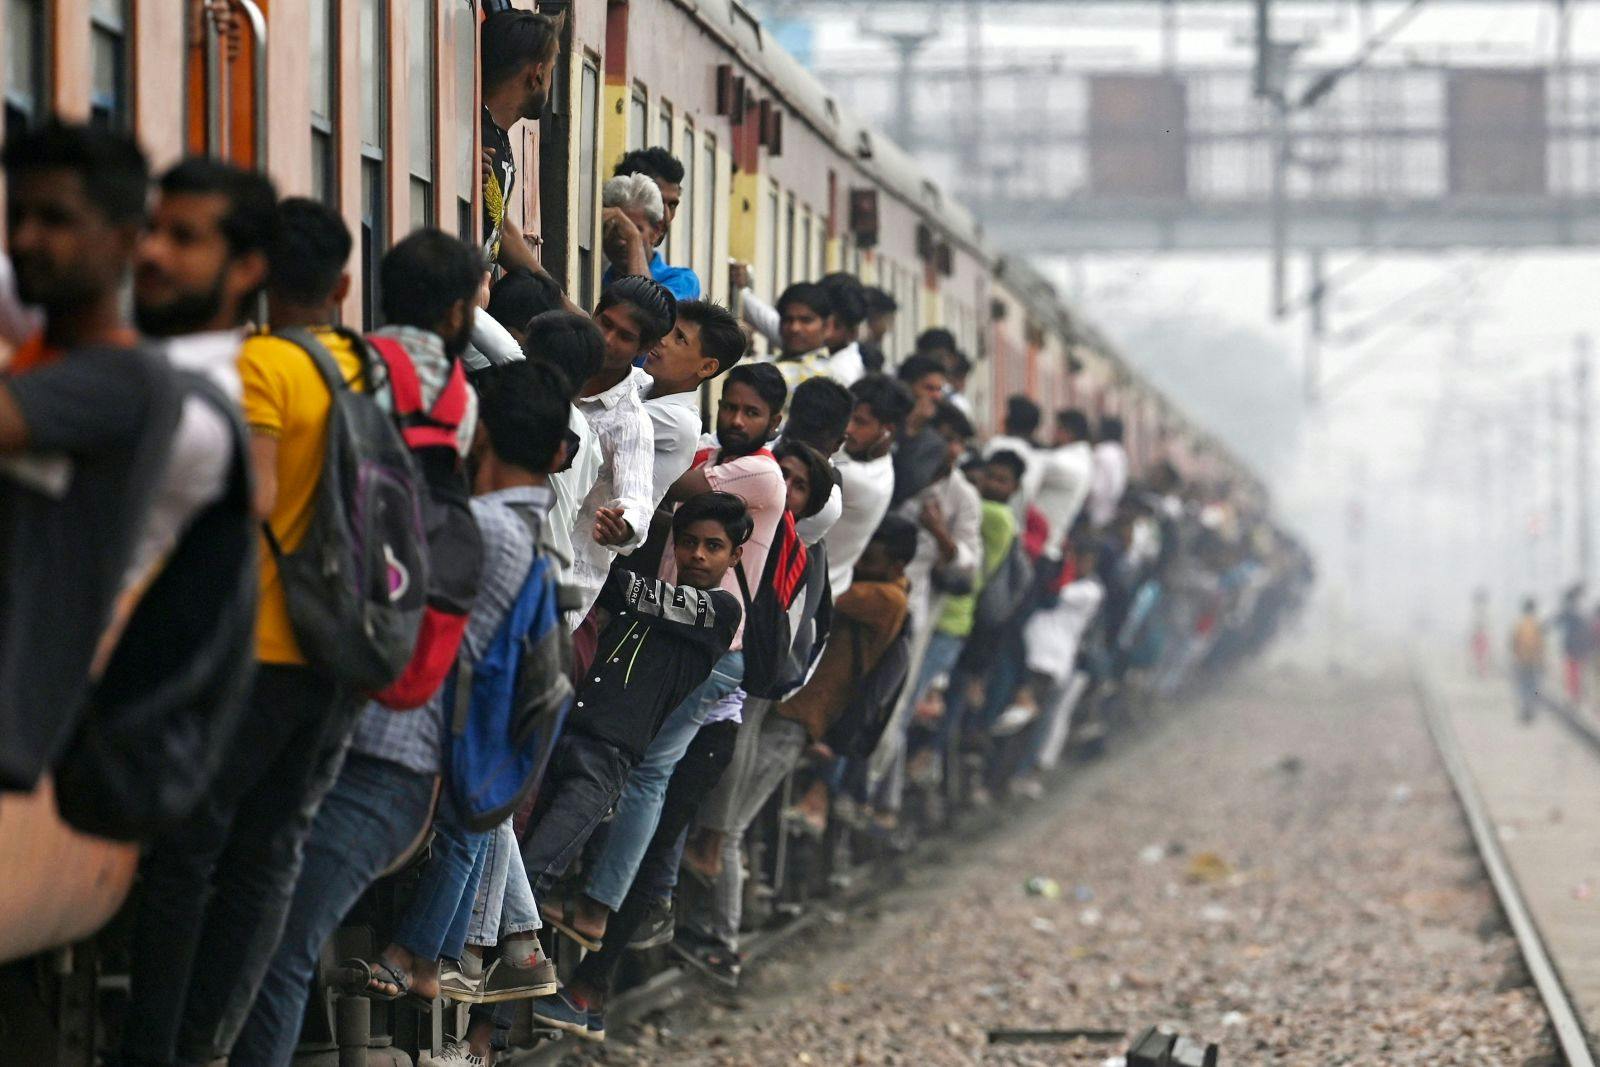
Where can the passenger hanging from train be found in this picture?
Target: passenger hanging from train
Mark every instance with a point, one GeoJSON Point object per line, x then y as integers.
{"type": "Point", "coordinates": [519, 52]}
{"type": "Point", "coordinates": [645, 919]}
{"type": "Point", "coordinates": [940, 694]}
{"type": "Point", "coordinates": [748, 415]}
{"type": "Point", "coordinates": [245, 842]}
{"type": "Point", "coordinates": [614, 517]}
{"type": "Point", "coordinates": [659, 645]}
{"type": "Point", "coordinates": [866, 471]}
{"type": "Point", "coordinates": [573, 344]}
{"type": "Point", "coordinates": [838, 699]}
{"type": "Point", "coordinates": [949, 514]}
{"type": "Point", "coordinates": [704, 342]}
{"type": "Point", "coordinates": [819, 413]}
{"type": "Point", "coordinates": [1110, 473]}
{"type": "Point", "coordinates": [920, 455]}
{"type": "Point", "coordinates": [1055, 684]}
{"type": "Point", "coordinates": [881, 311]}
{"type": "Point", "coordinates": [87, 414]}
{"type": "Point", "coordinates": [662, 167]}
{"type": "Point", "coordinates": [940, 343]}
{"type": "Point", "coordinates": [379, 805]}
{"type": "Point", "coordinates": [632, 223]}
{"type": "Point", "coordinates": [1017, 435]}
{"type": "Point", "coordinates": [849, 303]}
{"type": "Point", "coordinates": [501, 324]}
{"type": "Point", "coordinates": [1066, 475]}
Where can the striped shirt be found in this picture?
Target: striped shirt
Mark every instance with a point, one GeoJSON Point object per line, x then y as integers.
{"type": "Point", "coordinates": [626, 445]}
{"type": "Point", "coordinates": [415, 739]}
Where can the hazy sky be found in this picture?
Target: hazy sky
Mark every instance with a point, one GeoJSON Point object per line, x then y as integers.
{"type": "Point", "coordinates": [1424, 349]}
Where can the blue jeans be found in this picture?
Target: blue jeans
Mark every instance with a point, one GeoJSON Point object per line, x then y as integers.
{"type": "Point", "coordinates": [435, 925]}
{"type": "Point", "coordinates": [940, 658]}
{"type": "Point", "coordinates": [639, 808]}
{"type": "Point", "coordinates": [373, 812]}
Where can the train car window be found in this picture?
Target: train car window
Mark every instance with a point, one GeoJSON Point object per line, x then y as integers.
{"type": "Point", "coordinates": [790, 246]}
{"type": "Point", "coordinates": [373, 54]}
{"type": "Point", "coordinates": [705, 197]}
{"type": "Point", "coordinates": [421, 101]}
{"type": "Point", "coordinates": [323, 56]}
{"type": "Point", "coordinates": [108, 46]}
{"type": "Point", "coordinates": [687, 216]}
{"type": "Point", "coordinates": [25, 64]}
{"type": "Point", "coordinates": [588, 138]}
{"type": "Point", "coordinates": [807, 268]}
{"type": "Point", "coordinates": [775, 284]}
{"type": "Point", "coordinates": [638, 119]}
{"type": "Point", "coordinates": [464, 116]}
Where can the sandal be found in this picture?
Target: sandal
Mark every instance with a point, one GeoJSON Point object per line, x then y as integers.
{"type": "Point", "coordinates": [562, 914]}
{"type": "Point", "coordinates": [386, 973]}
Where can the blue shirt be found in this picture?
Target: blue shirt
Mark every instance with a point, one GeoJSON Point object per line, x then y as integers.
{"type": "Point", "coordinates": [415, 739]}
{"type": "Point", "coordinates": [681, 282]}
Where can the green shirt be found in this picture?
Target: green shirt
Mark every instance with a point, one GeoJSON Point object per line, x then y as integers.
{"type": "Point", "coordinates": [997, 527]}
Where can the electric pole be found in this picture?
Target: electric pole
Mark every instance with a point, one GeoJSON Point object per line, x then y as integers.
{"type": "Point", "coordinates": [1580, 388]}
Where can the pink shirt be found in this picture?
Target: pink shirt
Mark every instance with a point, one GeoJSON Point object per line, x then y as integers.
{"type": "Point", "coordinates": [758, 481]}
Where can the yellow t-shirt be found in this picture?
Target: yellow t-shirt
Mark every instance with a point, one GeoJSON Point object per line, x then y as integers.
{"type": "Point", "coordinates": [284, 397]}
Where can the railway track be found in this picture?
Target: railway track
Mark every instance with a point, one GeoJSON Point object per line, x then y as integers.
{"type": "Point", "coordinates": [1576, 1046]}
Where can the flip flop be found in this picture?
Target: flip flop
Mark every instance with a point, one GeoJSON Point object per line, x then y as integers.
{"type": "Point", "coordinates": [379, 971]}
{"type": "Point", "coordinates": [561, 914]}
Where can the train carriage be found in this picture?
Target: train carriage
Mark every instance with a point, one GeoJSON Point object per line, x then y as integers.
{"type": "Point", "coordinates": [373, 106]}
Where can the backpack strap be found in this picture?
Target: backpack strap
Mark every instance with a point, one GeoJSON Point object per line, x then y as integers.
{"type": "Point", "coordinates": [332, 376]}
{"type": "Point", "coordinates": [437, 426]}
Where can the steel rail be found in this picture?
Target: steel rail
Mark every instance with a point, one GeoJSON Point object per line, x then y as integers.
{"type": "Point", "coordinates": [1564, 1019]}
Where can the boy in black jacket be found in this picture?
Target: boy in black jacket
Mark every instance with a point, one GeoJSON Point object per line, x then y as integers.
{"type": "Point", "coordinates": [660, 643]}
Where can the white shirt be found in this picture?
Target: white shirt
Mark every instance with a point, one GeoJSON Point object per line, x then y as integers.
{"type": "Point", "coordinates": [675, 421]}
{"type": "Point", "coordinates": [570, 487]}
{"type": "Point", "coordinates": [1109, 483]}
{"type": "Point", "coordinates": [492, 344]}
{"type": "Point", "coordinates": [18, 321]}
{"type": "Point", "coordinates": [626, 444]}
{"type": "Point", "coordinates": [1063, 488]}
{"type": "Point", "coordinates": [868, 485]}
{"type": "Point", "coordinates": [1053, 633]}
{"type": "Point", "coordinates": [1032, 472]}
{"type": "Point", "coordinates": [846, 366]}
{"type": "Point", "coordinates": [202, 448]}
{"type": "Point", "coordinates": [817, 526]}
{"type": "Point", "coordinates": [963, 515]}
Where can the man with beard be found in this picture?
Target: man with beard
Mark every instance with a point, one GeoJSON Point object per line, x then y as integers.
{"type": "Point", "coordinates": [748, 416]}
{"type": "Point", "coordinates": [197, 271]}
{"type": "Point", "coordinates": [519, 63]}
{"type": "Point", "coordinates": [217, 890]}
{"type": "Point", "coordinates": [86, 416]}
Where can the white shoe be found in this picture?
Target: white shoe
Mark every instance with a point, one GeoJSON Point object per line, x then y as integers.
{"type": "Point", "coordinates": [1013, 719]}
{"type": "Point", "coordinates": [454, 1054]}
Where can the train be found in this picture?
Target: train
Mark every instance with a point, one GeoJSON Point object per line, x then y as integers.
{"type": "Point", "coordinates": [373, 106]}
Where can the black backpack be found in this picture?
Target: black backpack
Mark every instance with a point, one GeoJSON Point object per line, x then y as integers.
{"type": "Point", "coordinates": [356, 586]}
{"type": "Point", "coordinates": [768, 615]}
{"type": "Point", "coordinates": [165, 709]}
{"type": "Point", "coordinates": [1006, 593]}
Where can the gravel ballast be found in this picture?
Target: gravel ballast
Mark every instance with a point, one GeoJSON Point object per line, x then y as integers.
{"type": "Point", "coordinates": [1279, 867]}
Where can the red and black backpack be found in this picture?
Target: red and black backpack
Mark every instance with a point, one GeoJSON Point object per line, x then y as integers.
{"type": "Point", "coordinates": [455, 550]}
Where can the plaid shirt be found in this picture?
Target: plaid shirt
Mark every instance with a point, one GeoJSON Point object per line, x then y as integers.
{"type": "Point", "coordinates": [415, 739]}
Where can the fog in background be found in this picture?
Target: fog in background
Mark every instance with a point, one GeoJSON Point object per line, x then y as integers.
{"type": "Point", "coordinates": [1440, 454]}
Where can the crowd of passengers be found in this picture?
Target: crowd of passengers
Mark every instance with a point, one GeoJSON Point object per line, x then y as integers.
{"type": "Point", "coordinates": [277, 597]}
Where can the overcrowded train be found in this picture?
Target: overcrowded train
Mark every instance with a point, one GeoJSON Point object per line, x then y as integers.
{"type": "Point", "coordinates": [983, 537]}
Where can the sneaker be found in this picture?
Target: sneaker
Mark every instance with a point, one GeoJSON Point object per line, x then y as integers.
{"type": "Point", "coordinates": [507, 980]}
{"type": "Point", "coordinates": [457, 983]}
{"type": "Point", "coordinates": [717, 963]}
{"type": "Point", "coordinates": [454, 1054]}
{"type": "Point", "coordinates": [656, 928]}
{"type": "Point", "coordinates": [1012, 720]}
{"type": "Point", "coordinates": [558, 1011]}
